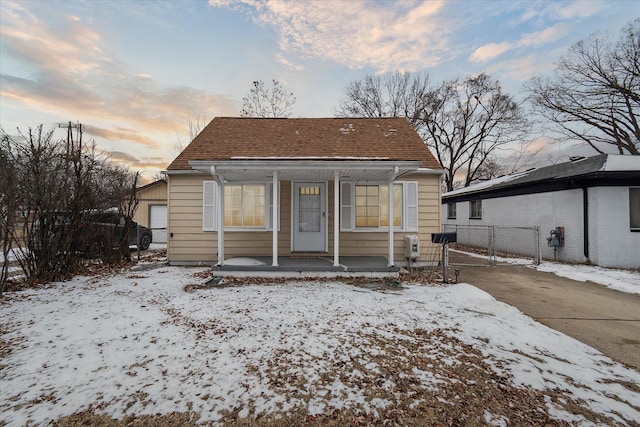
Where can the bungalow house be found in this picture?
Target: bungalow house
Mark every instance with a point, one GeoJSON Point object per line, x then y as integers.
{"type": "Point", "coordinates": [592, 205]}
{"type": "Point", "coordinates": [306, 187]}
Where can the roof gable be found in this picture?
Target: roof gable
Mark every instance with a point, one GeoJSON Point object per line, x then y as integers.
{"type": "Point", "coordinates": [349, 139]}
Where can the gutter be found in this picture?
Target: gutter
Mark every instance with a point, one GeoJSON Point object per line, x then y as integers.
{"type": "Point", "coordinates": [585, 221]}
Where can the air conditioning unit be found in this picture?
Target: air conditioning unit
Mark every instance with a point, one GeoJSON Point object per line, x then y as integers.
{"type": "Point", "coordinates": [411, 247]}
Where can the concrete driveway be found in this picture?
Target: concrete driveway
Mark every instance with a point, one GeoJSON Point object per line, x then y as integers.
{"type": "Point", "coordinates": [600, 317]}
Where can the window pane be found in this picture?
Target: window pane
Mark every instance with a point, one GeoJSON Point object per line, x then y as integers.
{"type": "Point", "coordinates": [367, 206]}
{"type": "Point", "coordinates": [475, 209]}
{"type": "Point", "coordinates": [451, 210]}
{"type": "Point", "coordinates": [244, 205]}
{"type": "Point", "coordinates": [384, 206]}
{"type": "Point", "coordinates": [397, 205]}
{"type": "Point", "coordinates": [634, 208]}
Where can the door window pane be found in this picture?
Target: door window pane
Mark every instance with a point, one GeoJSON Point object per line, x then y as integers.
{"type": "Point", "coordinates": [310, 205]}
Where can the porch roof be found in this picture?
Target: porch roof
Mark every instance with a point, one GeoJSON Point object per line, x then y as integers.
{"type": "Point", "coordinates": [305, 169]}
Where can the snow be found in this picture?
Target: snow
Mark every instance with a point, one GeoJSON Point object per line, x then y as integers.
{"type": "Point", "coordinates": [619, 162]}
{"type": "Point", "coordinates": [627, 281]}
{"type": "Point", "coordinates": [138, 343]}
{"type": "Point", "coordinates": [485, 184]}
{"type": "Point", "coordinates": [621, 280]}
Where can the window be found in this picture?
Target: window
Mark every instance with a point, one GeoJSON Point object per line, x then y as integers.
{"type": "Point", "coordinates": [634, 208]}
{"type": "Point", "coordinates": [475, 209]}
{"type": "Point", "coordinates": [246, 206]}
{"type": "Point", "coordinates": [451, 210]}
{"type": "Point", "coordinates": [372, 206]}
{"type": "Point", "coordinates": [366, 206]}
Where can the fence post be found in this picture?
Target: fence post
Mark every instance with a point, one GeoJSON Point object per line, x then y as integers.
{"type": "Point", "coordinates": [538, 248]}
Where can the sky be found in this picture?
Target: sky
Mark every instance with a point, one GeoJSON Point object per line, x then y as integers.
{"type": "Point", "coordinates": [136, 73]}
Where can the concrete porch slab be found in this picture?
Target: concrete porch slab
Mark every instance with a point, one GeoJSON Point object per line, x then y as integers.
{"type": "Point", "coordinates": [313, 266]}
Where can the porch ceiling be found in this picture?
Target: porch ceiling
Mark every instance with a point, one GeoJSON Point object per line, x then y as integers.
{"type": "Point", "coordinates": [302, 170]}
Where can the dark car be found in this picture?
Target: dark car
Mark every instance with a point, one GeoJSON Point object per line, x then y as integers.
{"type": "Point", "coordinates": [106, 227]}
{"type": "Point", "coordinates": [95, 233]}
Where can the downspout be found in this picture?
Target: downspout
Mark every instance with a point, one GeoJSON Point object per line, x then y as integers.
{"type": "Point", "coordinates": [585, 221]}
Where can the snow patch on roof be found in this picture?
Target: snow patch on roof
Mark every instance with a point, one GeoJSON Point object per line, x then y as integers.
{"type": "Point", "coordinates": [486, 184]}
{"type": "Point", "coordinates": [619, 162]}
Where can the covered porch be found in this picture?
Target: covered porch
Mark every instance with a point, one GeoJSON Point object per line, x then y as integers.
{"type": "Point", "coordinates": [307, 266]}
{"type": "Point", "coordinates": [314, 222]}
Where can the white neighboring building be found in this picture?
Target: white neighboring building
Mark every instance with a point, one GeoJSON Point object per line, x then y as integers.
{"type": "Point", "coordinates": [595, 199]}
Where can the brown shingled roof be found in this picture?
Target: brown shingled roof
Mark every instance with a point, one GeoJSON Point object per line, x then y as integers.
{"type": "Point", "coordinates": [227, 138]}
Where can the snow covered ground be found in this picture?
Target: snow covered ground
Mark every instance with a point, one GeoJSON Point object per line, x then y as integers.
{"type": "Point", "coordinates": [627, 281]}
{"type": "Point", "coordinates": [620, 280]}
{"type": "Point", "coordinates": [139, 343]}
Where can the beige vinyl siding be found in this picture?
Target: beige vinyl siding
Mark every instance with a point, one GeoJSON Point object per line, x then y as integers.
{"type": "Point", "coordinates": [155, 195]}
{"type": "Point", "coordinates": [189, 243]}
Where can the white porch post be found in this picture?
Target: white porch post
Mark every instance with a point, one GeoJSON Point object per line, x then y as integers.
{"type": "Point", "coordinates": [391, 255]}
{"type": "Point", "coordinates": [275, 217]}
{"type": "Point", "coordinates": [336, 218]}
{"type": "Point", "coordinates": [221, 220]}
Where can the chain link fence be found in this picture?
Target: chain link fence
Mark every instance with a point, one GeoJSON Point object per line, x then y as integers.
{"type": "Point", "coordinates": [159, 235]}
{"type": "Point", "coordinates": [489, 242]}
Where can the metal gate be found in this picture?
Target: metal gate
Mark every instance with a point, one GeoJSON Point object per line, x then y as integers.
{"type": "Point", "coordinates": [493, 244]}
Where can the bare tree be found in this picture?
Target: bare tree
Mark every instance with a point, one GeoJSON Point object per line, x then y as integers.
{"type": "Point", "coordinates": [390, 95]}
{"type": "Point", "coordinates": [8, 208]}
{"type": "Point", "coordinates": [594, 96]}
{"type": "Point", "coordinates": [194, 128]}
{"type": "Point", "coordinates": [467, 123]}
{"type": "Point", "coordinates": [264, 102]}
{"type": "Point", "coordinates": [59, 185]}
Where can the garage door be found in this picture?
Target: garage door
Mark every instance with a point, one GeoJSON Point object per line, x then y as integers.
{"type": "Point", "coordinates": [158, 223]}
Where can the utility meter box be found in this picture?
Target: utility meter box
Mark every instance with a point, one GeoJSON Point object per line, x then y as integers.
{"type": "Point", "coordinates": [556, 238]}
{"type": "Point", "coordinates": [411, 247]}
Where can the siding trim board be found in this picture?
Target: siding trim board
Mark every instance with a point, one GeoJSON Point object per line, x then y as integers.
{"type": "Point", "coordinates": [598, 179]}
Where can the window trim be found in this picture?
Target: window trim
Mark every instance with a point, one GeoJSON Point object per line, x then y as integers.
{"type": "Point", "coordinates": [410, 207]}
{"type": "Point", "coordinates": [450, 210]}
{"type": "Point", "coordinates": [213, 207]}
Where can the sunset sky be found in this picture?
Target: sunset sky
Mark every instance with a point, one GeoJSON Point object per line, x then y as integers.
{"type": "Point", "coordinates": [134, 73]}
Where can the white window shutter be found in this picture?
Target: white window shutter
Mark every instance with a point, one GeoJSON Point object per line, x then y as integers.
{"type": "Point", "coordinates": [209, 217]}
{"type": "Point", "coordinates": [346, 204]}
{"type": "Point", "coordinates": [411, 205]}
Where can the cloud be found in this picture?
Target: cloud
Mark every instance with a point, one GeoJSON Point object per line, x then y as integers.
{"type": "Point", "coordinates": [518, 69]}
{"type": "Point", "coordinates": [489, 51]}
{"type": "Point", "coordinates": [580, 9]}
{"type": "Point", "coordinates": [120, 134]}
{"type": "Point", "coordinates": [545, 36]}
{"type": "Point", "coordinates": [120, 156]}
{"type": "Point", "coordinates": [66, 71]}
{"type": "Point", "coordinates": [386, 36]}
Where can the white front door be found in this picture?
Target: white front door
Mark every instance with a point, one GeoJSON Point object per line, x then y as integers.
{"type": "Point", "coordinates": [309, 217]}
